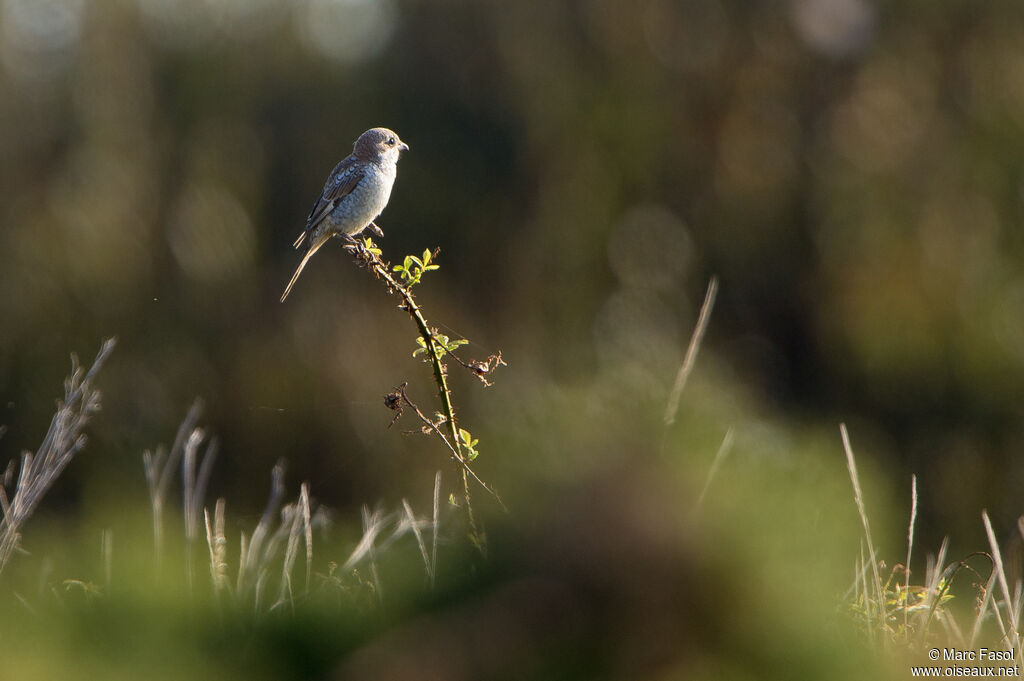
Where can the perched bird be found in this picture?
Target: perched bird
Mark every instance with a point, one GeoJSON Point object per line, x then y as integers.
{"type": "Point", "coordinates": [354, 195]}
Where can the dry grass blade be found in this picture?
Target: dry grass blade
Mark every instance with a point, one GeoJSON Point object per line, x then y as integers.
{"type": "Point", "coordinates": [243, 551]}
{"type": "Point", "coordinates": [910, 547]}
{"type": "Point", "coordinates": [107, 556]}
{"type": "Point", "coordinates": [934, 574]}
{"type": "Point", "coordinates": [691, 352]}
{"type": "Point", "coordinates": [307, 526]}
{"type": "Point", "coordinates": [858, 498]}
{"type": "Point", "coordinates": [188, 425]}
{"type": "Point", "coordinates": [194, 490]}
{"type": "Point", "coordinates": [203, 478]}
{"type": "Point", "coordinates": [953, 632]}
{"type": "Point", "coordinates": [940, 560]}
{"type": "Point", "coordinates": [1015, 613]}
{"type": "Point", "coordinates": [1004, 585]}
{"type": "Point", "coordinates": [294, 529]}
{"type": "Point", "coordinates": [373, 524]}
{"type": "Point", "coordinates": [218, 544]}
{"type": "Point", "coordinates": [210, 545]}
{"type": "Point", "coordinates": [435, 525]}
{"type": "Point", "coordinates": [414, 524]}
{"type": "Point", "coordinates": [723, 451]}
{"type": "Point", "coordinates": [62, 441]}
{"type": "Point", "coordinates": [159, 468]}
{"type": "Point", "coordinates": [188, 476]}
{"type": "Point", "coordinates": [259, 535]}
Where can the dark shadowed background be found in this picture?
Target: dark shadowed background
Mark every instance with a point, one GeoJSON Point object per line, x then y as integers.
{"type": "Point", "coordinates": [852, 171]}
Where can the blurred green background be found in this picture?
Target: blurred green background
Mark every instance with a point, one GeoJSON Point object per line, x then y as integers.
{"type": "Point", "coordinates": [850, 170]}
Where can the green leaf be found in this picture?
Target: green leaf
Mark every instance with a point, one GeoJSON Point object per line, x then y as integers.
{"type": "Point", "coordinates": [467, 440]}
{"type": "Point", "coordinates": [454, 345]}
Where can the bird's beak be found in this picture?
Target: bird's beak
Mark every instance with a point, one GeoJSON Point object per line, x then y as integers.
{"type": "Point", "coordinates": [403, 147]}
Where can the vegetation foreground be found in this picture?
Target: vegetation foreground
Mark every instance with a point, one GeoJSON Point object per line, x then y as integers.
{"type": "Point", "coordinates": [626, 568]}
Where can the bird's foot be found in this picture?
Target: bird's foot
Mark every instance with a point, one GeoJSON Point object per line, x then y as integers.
{"type": "Point", "coordinates": [350, 243]}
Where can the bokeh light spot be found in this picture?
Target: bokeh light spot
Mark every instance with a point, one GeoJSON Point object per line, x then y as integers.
{"type": "Point", "coordinates": [650, 248]}
{"type": "Point", "coordinates": [348, 30]}
{"type": "Point", "coordinates": [37, 37]}
{"type": "Point", "coordinates": [836, 28]}
{"type": "Point", "coordinates": [211, 235]}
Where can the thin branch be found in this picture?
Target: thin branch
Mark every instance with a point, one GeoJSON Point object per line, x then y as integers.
{"type": "Point", "coordinates": [368, 257]}
{"type": "Point", "coordinates": [455, 451]}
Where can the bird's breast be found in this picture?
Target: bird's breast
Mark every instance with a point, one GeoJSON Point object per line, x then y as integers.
{"type": "Point", "coordinates": [366, 201]}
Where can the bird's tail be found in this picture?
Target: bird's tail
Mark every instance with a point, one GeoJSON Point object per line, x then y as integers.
{"type": "Point", "coordinates": [314, 246]}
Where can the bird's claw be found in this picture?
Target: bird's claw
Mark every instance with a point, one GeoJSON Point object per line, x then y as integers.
{"type": "Point", "coordinates": [349, 242]}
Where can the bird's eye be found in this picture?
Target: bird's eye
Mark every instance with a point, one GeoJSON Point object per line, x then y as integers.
{"type": "Point", "coordinates": [391, 141]}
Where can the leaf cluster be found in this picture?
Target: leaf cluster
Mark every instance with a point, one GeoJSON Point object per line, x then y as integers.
{"type": "Point", "coordinates": [413, 268]}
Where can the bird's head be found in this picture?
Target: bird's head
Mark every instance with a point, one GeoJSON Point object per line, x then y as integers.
{"type": "Point", "coordinates": [379, 144]}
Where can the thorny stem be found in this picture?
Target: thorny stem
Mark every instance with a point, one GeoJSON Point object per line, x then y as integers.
{"type": "Point", "coordinates": [399, 396]}
{"type": "Point", "coordinates": [436, 350]}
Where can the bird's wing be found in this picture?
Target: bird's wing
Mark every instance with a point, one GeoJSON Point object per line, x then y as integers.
{"type": "Point", "coordinates": [342, 180]}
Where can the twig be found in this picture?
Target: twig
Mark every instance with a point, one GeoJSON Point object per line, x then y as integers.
{"type": "Point", "coordinates": [403, 397]}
